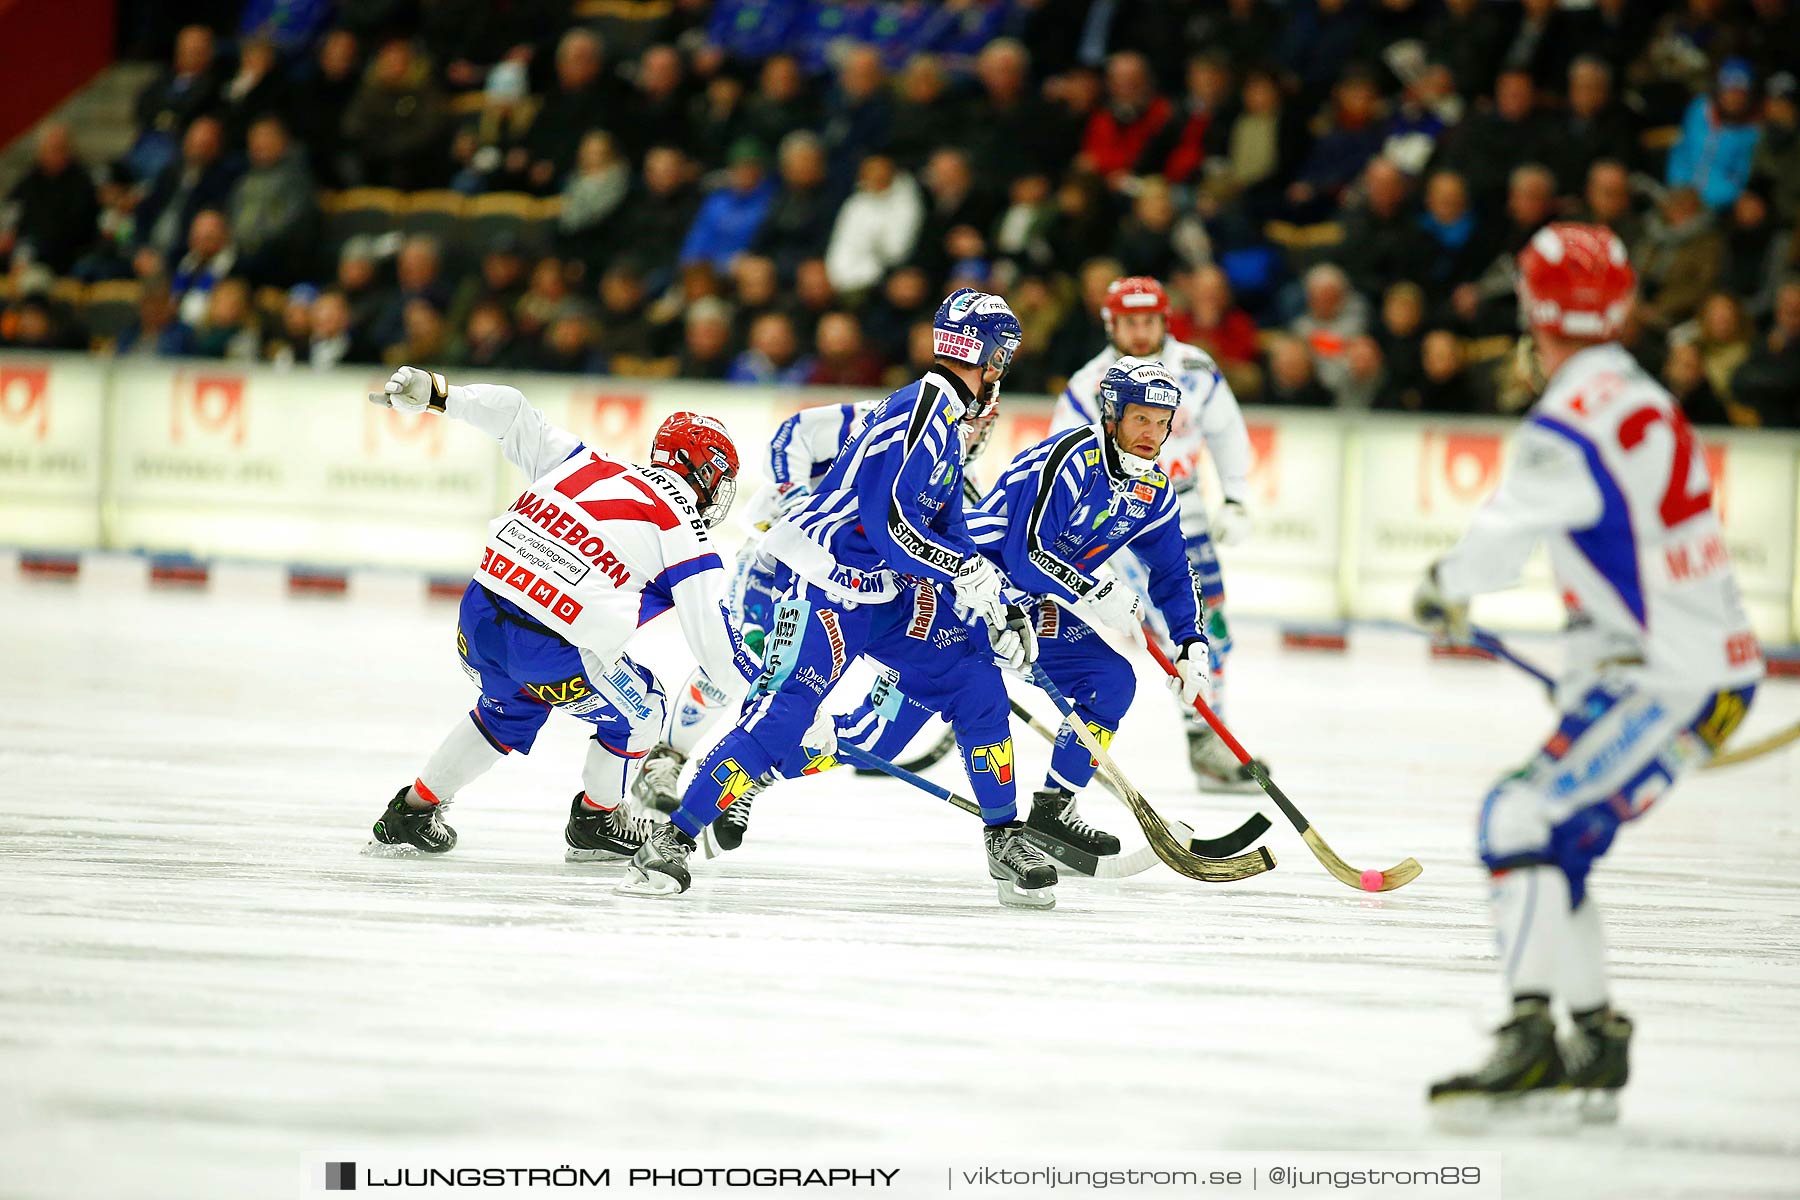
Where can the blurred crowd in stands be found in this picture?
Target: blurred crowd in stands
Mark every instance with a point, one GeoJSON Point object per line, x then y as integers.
{"type": "Point", "coordinates": [780, 191]}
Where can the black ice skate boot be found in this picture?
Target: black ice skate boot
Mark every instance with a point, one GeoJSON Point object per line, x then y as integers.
{"type": "Point", "coordinates": [406, 829]}
{"type": "Point", "coordinates": [1022, 874]}
{"type": "Point", "coordinates": [659, 868]}
{"type": "Point", "coordinates": [1597, 1062]}
{"type": "Point", "coordinates": [728, 831]}
{"type": "Point", "coordinates": [658, 783]}
{"type": "Point", "coordinates": [1215, 766]}
{"type": "Point", "coordinates": [1523, 1081]}
{"type": "Point", "coordinates": [602, 835]}
{"type": "Point", "coordinates": [1053, 817]}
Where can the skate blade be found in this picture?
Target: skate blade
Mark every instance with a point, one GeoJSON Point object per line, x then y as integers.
{"type": "Point", "coordinates": [571, 854]}
{"type": "Point", "coordinates": [377, 849]}
{"type": "Point", "coordinates": [1013, 896]}
{"type": "Point", "coordinates": [1597, 1106]}
{"type": "Point", "coordinates": [647, 883]}
{"type": "Point", "coordinates": [1535, 1112]}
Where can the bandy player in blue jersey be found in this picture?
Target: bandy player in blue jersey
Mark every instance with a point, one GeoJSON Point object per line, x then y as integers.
{"type": "Point", "coordinates": [889, 511]}
{"type": "Point", "coordinates": [800, 455]}
{"type": "Point", "coordinates": [1136, 316]}
{"type": "Point", "coordinates": [1059, 512]}
{"type": "Point", "coordinates": [1662, 667]}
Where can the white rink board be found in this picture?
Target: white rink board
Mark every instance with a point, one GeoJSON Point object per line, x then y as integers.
{"type": "Point", "coordinates": [203, 985]}
{"type": "Point", "coordinates": [219, 461]}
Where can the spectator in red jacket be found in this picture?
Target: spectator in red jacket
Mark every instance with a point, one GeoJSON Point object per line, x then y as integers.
{"type": "Point", "coordinates": [1212, 320]}
{"type": "Point", "coordinates": [841, 359]}
{"type": "Point", "coordinates": [1180, 148]}
{"type": "Point", "coordinates": [1117, 134]}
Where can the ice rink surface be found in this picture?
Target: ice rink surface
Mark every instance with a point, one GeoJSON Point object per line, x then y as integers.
{"type": "Point", "coordinates": [202, 981]}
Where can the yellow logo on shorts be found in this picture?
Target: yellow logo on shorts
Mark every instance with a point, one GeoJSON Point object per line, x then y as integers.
{"type": "Point", "coordinates": [733, 783]}
{"type": "Point", "coordinates": [565, 691]}
{"type": "Point", "coordinates": [1727, 712]}
{"type": "Point", "coordinates": [997, 760]}
{"type": "Point", "coordinates": [818, 764]}
{"type": "Point", "coordinates": [1102, 735]}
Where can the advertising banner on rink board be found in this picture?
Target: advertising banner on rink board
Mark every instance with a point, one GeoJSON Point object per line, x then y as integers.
{"type": "Point", "coordinates": [212, 460]}
{"type": "Point", "coordinates": [52, 428]}
{"type": "Point", "coordinates": [219, 460]}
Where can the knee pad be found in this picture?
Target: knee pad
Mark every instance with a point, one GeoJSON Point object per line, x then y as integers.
{"type": "Point", "coordinates": [1582, 838]}
{"type": "Point", "coordinates": [634, 710]}
{"type": "Point", "coordinates": [509, 726]}
{"type": "Point", "coordinates": [1112, 698]}
{"type": "Point", "coordinates": [1514, 828]}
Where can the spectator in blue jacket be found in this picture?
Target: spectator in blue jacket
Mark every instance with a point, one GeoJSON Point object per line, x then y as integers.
{"type": "Point", "coordinates": [774, 354]}
{"type": "Point", "coordinates": [729, 218]}
{"type": "Point", "coordinates": [859, 114]}
{"type": "Point", "coordinates": [158, 332]}
{"type": "Point", "coordinates": [1718, 139]}
{"type": "Point", "coordinates": [750, 30]}
{"type": "Point", "coordinates": [826, 27]}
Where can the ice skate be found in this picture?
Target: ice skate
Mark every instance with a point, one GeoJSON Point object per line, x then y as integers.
{"type": "Point", "coordinates": [1216, 767]}
{"type": "Point", "coordinates": [1053, 817]}
{"type": "Point", "coordinates": [658, 783]}
{"type": "Point", "coordinates": [403, 830]}
{"type": "Point", "coordinates": [1522, 1085]}
{"type": "Point", "coordinates": [1597, 1063]}
{"type": "Point", "coordinates": [1022, 874]}
{"type": "Point", "coordinates": [727, 833]}
{"type": "Point", "coordinates": [602, 835]}
{"type": "Point", "coordinates": [659, 868]}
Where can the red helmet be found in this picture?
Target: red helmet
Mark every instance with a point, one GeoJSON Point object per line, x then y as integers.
{"type": "Point", "coordinates": [1134, 293]}
{"type": "Point", "coordinates": [699, 450]}
{"type": "Point", "coordinates": [1575, 280]}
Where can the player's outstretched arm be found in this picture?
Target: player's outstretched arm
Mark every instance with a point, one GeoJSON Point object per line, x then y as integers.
{"type": "Point", "coordinates": [529, 442]}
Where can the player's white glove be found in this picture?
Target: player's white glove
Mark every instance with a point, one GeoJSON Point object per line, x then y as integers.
{"type": "Point", "coordinates": [1015, 643]}
{"type": "Point", "coordinates": [978, 585]}
{"type": "Point", "coordinates": [1445, 618]}
{"type": "Point", "coordinates": [1231, 524]}
{"type": "Point", "coordinates": [820, 737]}
{"type": "Point", "coordinates": [413, 390]}
{"type": "Point", "coordinates": [1112, 605]}
{"type": "Point", "coordinates": [1193, 673]}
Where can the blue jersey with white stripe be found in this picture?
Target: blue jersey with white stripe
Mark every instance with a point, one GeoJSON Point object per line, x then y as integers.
{"type": "Point", "coordinates": [891, 504]}
{"type": "Point", "coordinates": [1057, 514]}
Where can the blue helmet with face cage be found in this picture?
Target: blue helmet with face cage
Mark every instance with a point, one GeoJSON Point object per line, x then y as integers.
{"type": "Point", "coordinates": [977, 329]}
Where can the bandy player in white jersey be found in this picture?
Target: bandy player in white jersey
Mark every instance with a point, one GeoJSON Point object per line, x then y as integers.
{"type": "Point", "coordinates": [1663, 666]}
{"type": "Point", "coordinates": [592, 549]}
{"type": "Point", "coordinates": [1136, 316]}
